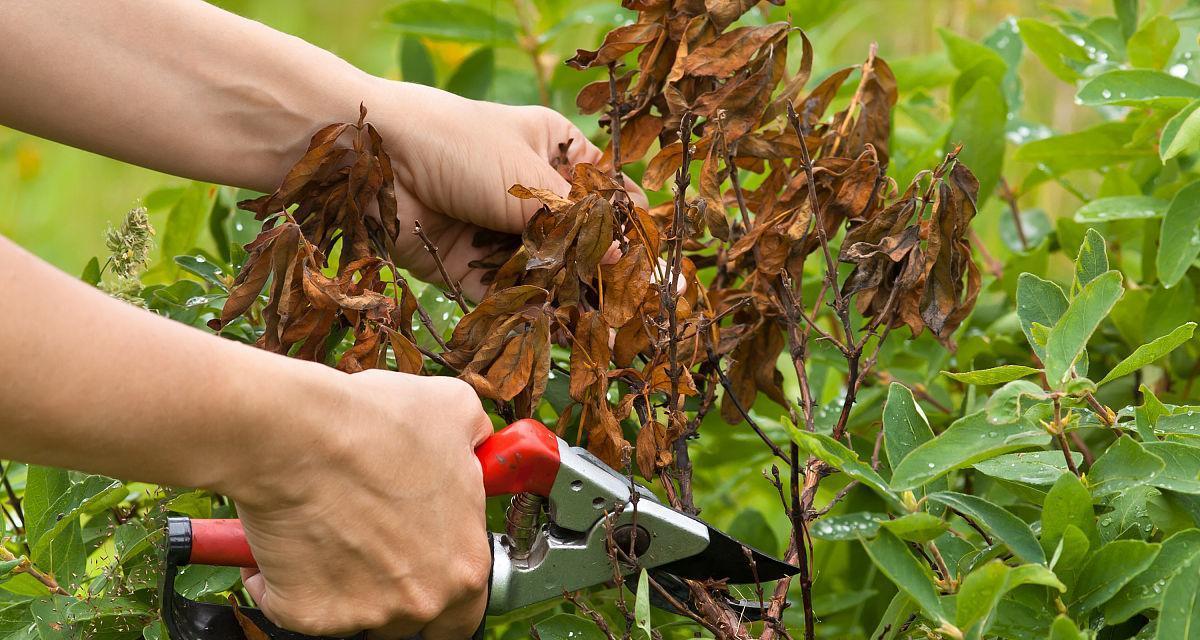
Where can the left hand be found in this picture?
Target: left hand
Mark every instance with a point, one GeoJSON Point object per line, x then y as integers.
{"type": "Point", "coordinates": [456, 158]}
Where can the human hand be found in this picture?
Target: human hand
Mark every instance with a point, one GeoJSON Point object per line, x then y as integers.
{"type": "Point", "coordinates": [374, 519]}
{"type": "Point", "coordinates": [455, 159]}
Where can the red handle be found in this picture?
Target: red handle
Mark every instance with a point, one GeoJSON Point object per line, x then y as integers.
{"type": "Point", "coordinates": [520, 458]}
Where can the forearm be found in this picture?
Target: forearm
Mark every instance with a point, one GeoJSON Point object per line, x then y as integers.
{"type": "Point", "coordinates": [179, 86]}
{"type": "Point", "coordinates": [95, 384]}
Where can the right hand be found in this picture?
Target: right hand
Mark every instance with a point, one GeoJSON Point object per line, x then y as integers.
{"type": "Point", "coordinates": [373, 518]}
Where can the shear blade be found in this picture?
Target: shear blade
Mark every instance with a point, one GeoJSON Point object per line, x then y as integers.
{"type": "Point", "coordinates": [727, 559]}
{"type": "Point", "coordinates": [745, 609]}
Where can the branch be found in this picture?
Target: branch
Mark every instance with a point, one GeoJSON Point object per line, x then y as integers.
{"type": "Point", "coordinates": [455, 292]}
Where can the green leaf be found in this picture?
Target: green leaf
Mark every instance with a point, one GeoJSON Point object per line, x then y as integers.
{"type": "Point", "coordinates": [981, 591]}
{"type": "Point", "coordinates": [198, 580]}
{"type": "Point", "coordinates": [1184, 423]}
{"type": "Point", "coordinates": [185, 222]}
{"type": "Point", "coordinates": [965, 53]}
{"type": "Point", "coordinates": [1092, 259]}
{"type": "Point", "coordinates": [1138, 88]}
{"type": "Point", "coordinates": [1010, 402]}
{"type": "Point", "coordinates": [197, 504]}
{"type": "Point", "coordinates": [905, 426]}
{"type": "Point", "coordinates": [847, 527]}
{"type": "Point", "coordinates": [1068, 503]}
{"type": "Point", "coordinates": [1151, 45]}
{"type": "Point", "coordinates": [416, 65]}
{"type": "Point", "coordinates": [202, 266]}
{"type": "Point", "coordinates": [1179, 238]}
{"type": "Point", "coordinates": [892, 622]}
{"type": "Point", "coordinates": [1181, 133]}
{"type": "Point", "coordinates": [48, 498]}
{"type": "Point", "coordinates": [1064, 629]}
{"type": "Point", "coordinates": [565, 626]}
{"type": "Point", "coordinates": [91, 272]}
{"type": "Point", "coordinates": [979, 595]}
{"type": "Point", "coordinates": [1057, 51]}
{"type": "Point", "coordinates": [1148, 353]}
{"type": "Point", "coordinates": [916, 527]}
{"type": "Point", "coordinates": [966, 441]}
{"type": "Point", "coordinates": [1121, 208]}
{"type": "Point", "coordinates": [1097, 147]}
{"type": "Point", "coordinates": [979, 120]}
{"type": "Point", "coordinates": [1180, 612]}
{"type": "Point", "coordinates": [1144, 591]}
{"type": "Point", "coordinates": [1038, 301]}
{"type": "Point", "coordinates": [1127, 16]}
{"type": "Point", "coordinates": [1182, 466]}
{"type": "Point", "coordinates": [473, 78]}
{"type": "Point", "coordinates": [751, 527]}
{"type": "Point", "coordinates": [841, 457]}
{"type": "Point", "coordinates": [1112, 566]}
{"type": "Point", "coordinates": [456, 21]}
{"type": "Point", "coordinates": [1009, 529]}
{"type": "Point", "coordinates": [995, 375]}
{"type": "Point", "coordinates": [1071, 333]}
{"type": "Point", "coordinates": [1041, 468]}
{"type": "Point", "coordinates": [641, 607]}
{"type": "Point", "coordinates": [1125, 464]}
{"type": "Point", "coordinates": [913, 578]}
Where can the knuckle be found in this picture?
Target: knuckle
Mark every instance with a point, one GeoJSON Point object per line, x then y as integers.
{"type": "Point", "coordinates": [424, 610]}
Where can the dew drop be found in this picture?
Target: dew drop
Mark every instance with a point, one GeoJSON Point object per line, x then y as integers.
{"type": "Point", "coordinates": [1178, 70]}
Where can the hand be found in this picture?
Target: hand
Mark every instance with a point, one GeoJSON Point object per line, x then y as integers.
{"type": "Point", "coordinates": [375, 519]}
{"type": "Point", "coordinates": [454, 161]}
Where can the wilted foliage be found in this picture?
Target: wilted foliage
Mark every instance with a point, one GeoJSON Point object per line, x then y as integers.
{"type": "Point", "coordinates": [779, 181]}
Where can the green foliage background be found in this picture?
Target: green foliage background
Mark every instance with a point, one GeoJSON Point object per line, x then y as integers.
{"type": "Point", "coordinates": [1087, 113]}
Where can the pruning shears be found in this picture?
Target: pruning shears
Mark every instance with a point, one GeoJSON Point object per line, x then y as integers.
{"type": "Point", "coordinates": [571, 517]}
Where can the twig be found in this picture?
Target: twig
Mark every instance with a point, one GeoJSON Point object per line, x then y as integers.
{"type": "Point", "coordinates": [455, 292]}
{"type": "Point", "coordinates": [732, 397]}
{"type": "Point", "coordinates": [614, 121]}
{"type": "Point", "coordinates": [1007, 194]}
{"type": "Point", "coordinates": [595, 616]}
{"type": "Point", "coordinates": [669, 302]}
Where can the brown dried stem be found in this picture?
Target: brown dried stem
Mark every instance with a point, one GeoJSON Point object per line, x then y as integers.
{"type": "Point", "coordinates": [455, 291]}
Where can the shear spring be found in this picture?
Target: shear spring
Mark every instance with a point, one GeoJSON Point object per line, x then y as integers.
{"type": "Point", "coordinates": [522, 523]}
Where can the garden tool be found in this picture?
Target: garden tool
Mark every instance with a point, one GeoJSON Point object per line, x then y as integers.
{"type": "Point", "coordinates": [571, 519]}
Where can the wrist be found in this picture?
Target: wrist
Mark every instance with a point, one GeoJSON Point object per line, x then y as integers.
{"type": "Point", "coordinates": [286, 426]}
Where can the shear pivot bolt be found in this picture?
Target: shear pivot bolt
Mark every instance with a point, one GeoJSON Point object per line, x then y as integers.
{"type": "Point", "coordinates": [628, 535]}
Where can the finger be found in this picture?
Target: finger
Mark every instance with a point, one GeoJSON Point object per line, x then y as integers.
{"type": "Point", "coordinates": [534, 171]}
{"type": "Point", "coordinates": [256, 586]}
{"type": "Point", "coordinates": [585, 151]}
{"type": "Point", "coordinates": [458, 623]}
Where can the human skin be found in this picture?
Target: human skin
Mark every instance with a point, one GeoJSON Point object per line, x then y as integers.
{"type": "Point", "coordinates": [310, 455]}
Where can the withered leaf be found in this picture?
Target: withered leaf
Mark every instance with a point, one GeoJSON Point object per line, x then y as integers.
{"type": "Point", "coordinates": [653, 449]}
{"type": "Point", "coordinates": [595, 236]}
{"type": "Point", "coordinates": [590, 355]}
{"type": "Point", "coordinates": [408, 357]}
{"type": "Point", "coordinates": [605, 439]}
{"type": "Point", "coordinates": [731, 51]}
{"type": "Point", "coordinates": [625, 285]}
{"type": "Point", "coordinates": [754, 370]}
{"type": "Point", "coordinates": [249, 628]}
{"type": "Point", "coordinates": [617, 43]}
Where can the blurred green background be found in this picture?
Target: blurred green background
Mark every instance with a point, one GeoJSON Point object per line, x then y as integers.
{"type": "Point", "coordinates": [57, 201]}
